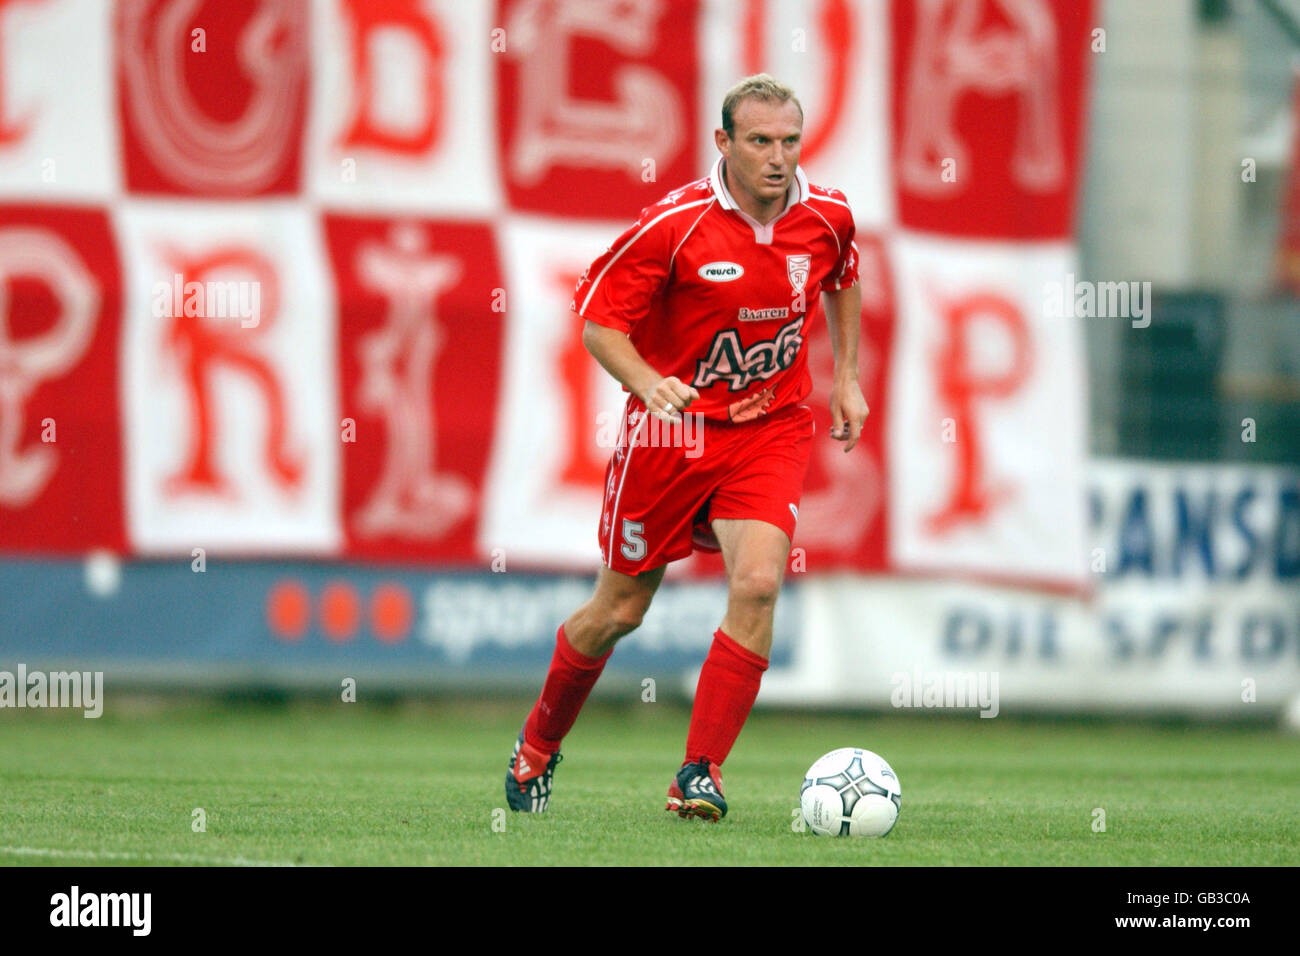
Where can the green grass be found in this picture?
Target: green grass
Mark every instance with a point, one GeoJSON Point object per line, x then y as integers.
{"type": "Point", "coordinates": [418, 784]}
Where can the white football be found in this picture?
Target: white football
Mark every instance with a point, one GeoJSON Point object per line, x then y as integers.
{"type": "Point", "coordinates": [851, 792]}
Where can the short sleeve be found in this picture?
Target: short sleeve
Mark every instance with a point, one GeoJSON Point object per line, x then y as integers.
{"type": "Point", "coordinates": [845, 272]}
{"type": "Point", "coordinates": [618, 288]}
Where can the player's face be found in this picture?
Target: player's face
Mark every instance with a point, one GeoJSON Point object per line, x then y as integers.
{"type": "Point", "coordinates": [764, 152]}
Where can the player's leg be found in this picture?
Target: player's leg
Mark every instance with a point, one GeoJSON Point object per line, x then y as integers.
{"type": "Point", "coordinates": [752, 515]}
{"type": "Point", "coordinates": [653, 492]}
{"type": "Point", "coordinates": [754, 553]}
{"type": "Point", "coordinates": [582, 645]}
{"type": "Point", "coordinates": [614, 611]}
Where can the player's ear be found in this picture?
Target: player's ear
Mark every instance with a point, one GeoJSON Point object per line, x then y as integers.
{"type": "Point", "coordinates": [722, 140]}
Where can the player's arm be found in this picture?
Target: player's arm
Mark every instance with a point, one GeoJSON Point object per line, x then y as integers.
{"type": "Point", "coordinates": [665, 397]}
{"type": "Point", "coordinates": [848, 406]}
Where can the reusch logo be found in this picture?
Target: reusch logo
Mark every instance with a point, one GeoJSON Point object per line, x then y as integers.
{"type": "Point", "coordinates": [721, 271]}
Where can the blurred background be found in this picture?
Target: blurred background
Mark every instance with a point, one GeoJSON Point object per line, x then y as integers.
{"type": "Point", "coordinates": [290, 393]}
{"type": "Point", "coordinates": [1218, 90]}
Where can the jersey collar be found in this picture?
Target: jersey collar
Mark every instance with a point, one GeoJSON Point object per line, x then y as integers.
{"type": "Point", "coordinates": [797, 194]}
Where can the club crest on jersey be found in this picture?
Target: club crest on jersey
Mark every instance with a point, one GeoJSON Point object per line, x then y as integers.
{"type": "Point", "coordinates": [797, 268]}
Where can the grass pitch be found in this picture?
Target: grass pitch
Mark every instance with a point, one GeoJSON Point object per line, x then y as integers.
{"type": "Point", "coordinates": [419, 783]}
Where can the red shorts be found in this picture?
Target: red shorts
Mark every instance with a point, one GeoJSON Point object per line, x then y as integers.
{"type": "Point", "coordinates": [665, 483]}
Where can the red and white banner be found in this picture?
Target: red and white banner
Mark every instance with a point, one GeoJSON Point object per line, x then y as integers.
{"type": "Point", "coordinates": [230, 415]}
{"type": "Point", "coordinates": [60, 327]}
{"type": "Point", "coordinates": [984, 371]}
{"type": "Point", "coordinates": [281, 277]}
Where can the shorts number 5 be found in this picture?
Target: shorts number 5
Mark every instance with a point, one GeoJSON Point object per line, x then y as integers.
{"type": "Point", "coordinates": [633, 544]}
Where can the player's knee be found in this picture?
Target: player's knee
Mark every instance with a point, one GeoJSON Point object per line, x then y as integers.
{"type": "Point", "coordinates": [625, 615]}
{"type": "Point", "coordinates": [626, 620]}
{"type": "Point", "coordinates": [756, 585]}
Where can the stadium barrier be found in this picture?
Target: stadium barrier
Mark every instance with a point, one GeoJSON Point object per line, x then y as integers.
{"type": "Point", "coordinates": [1194, 609]}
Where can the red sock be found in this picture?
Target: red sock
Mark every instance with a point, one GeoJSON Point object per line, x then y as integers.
{"type": "Point", "coordinates": [569, 681]}
{"type": "Point", "coordinates": [728, 685]}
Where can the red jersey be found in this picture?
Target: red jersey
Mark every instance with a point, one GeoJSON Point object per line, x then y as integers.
{"type": "Point", "coordinates": [709, 295]}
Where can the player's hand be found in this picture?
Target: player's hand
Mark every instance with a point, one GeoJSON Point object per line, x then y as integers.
{"type": "Point", "coordinates": [669, 398]}
{"type": "Point", "coordinates": [848, 412]}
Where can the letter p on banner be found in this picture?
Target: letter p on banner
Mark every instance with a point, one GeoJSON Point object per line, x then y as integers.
{"type": "Point", "coordinates": [979, 350]}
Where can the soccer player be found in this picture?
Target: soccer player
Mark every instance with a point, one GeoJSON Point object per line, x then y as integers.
{"type": "Point", "coordinates": [701, 308]}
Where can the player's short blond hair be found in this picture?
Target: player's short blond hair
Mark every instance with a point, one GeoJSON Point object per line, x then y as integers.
{"type": "Point", "coordinates": [760, 86]}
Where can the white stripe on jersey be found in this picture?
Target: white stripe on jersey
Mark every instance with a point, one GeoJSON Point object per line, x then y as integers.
{"type": "Point", "coordinates": [640, 232]}
{"type": "Point", "coordinates": [673, 258]}
{"type": "Point", "coordinates": [831, 228]}
{"type": "Point", "coordinates": [840, 202]}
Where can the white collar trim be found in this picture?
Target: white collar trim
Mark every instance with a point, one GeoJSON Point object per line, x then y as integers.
{"type": "Point", "coordinates": [796, 195]}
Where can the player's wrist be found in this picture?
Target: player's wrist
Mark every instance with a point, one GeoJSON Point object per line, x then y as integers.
{"type": "Point", "coordinates": [646, 390]}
